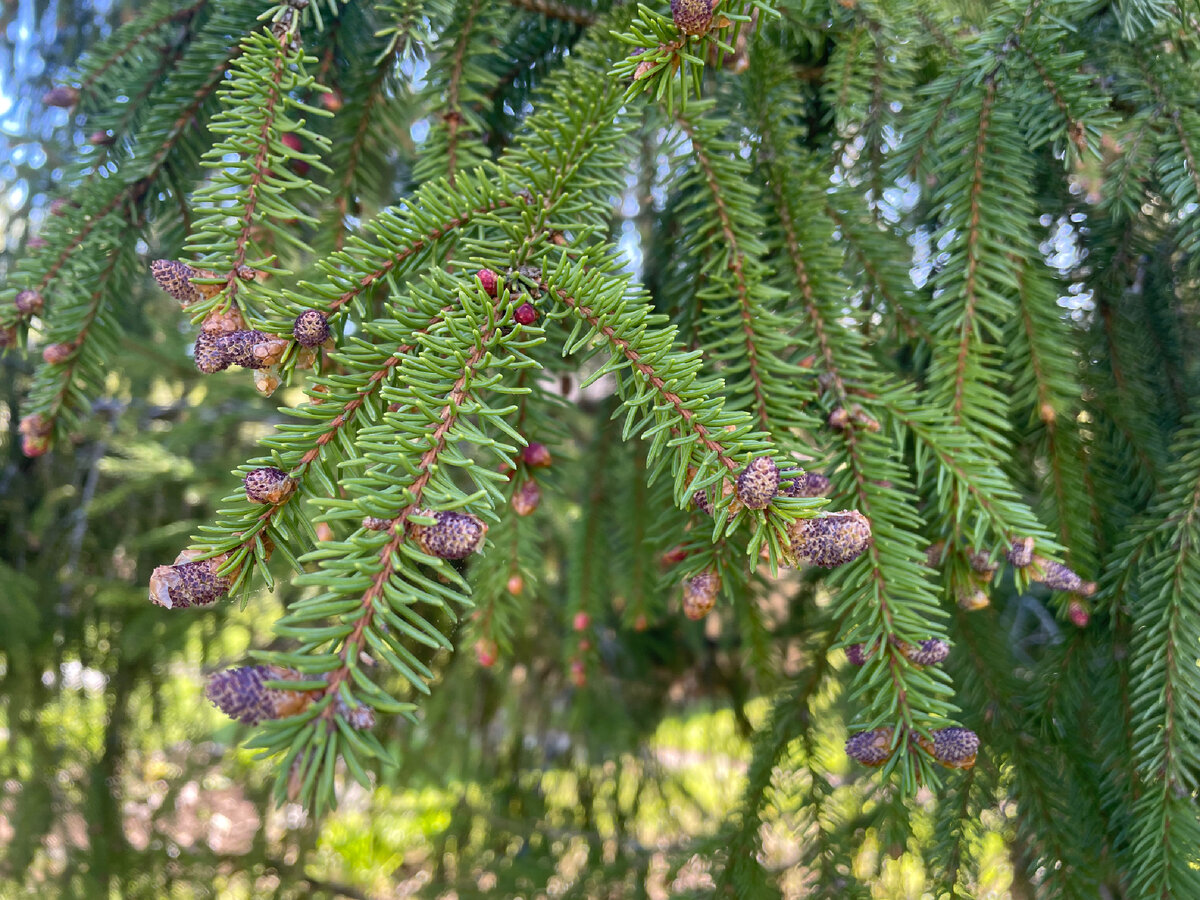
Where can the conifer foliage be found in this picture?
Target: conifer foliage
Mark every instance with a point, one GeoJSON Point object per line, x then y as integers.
{"type": "Point", "coordinates": [654, 313]}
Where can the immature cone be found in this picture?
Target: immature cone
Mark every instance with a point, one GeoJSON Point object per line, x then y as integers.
{"type": "Point", "coordinates": [174, 277]}
{"type": "Point", "coordinates": [28, 303]}
{"type": "Point", "coordinates": [926, 653]}
{"type": "Point", "coordinates": [35, 434]}
{"type": "Point", "coordinates": [360, 718]}
{"type": "Point", "coordinates": [807, 484]}
{"type": "Point", "coordinates": [525, 314]}
{"type": "Point", "coordinates": [1020, 554]}
{"type": "Point", "coordinates": [701, 502]}
{"type": "Point", "coordinates": [981, 562]}
{"type": "Point", "coordinates": [489, 280]}
{"type": "Point", "coordinates": [692, 16]}
{"type": "Point", "coordinates": [871, 748]}
{"type": "Point", "coordinates": [527, 498]}
{"type": "Point", "coordinates": [858, 654]}
{"type": "Point", "coordinates": [831, 539]}
{"type": "Point", "coordinates": [1058, 577]}
{"type": "Point", "coordinates": [209, 357]}
{"type": "Point", "coordinates": [187, 583]}
{"type": "Point", "coordinates": [933, 554]}
{"type": "Point", "coordinates": [250, 349]}
{"type": "Point", "coordinates": [863, 419]}
{"type": "Point", "coordinates": [454, 536]}
{"type": "Point", "coordinates": [955, 748]}
{"type": "Point", "coordinates": [537, 456]}
{"type": "Point", "coordinates": [838, 419]}
{"type": "Point", "coordinates": [376, 523]}
{"type": "Point", "coordinates": [242, 694]}
{"type": "Point", "coordinates": [700, 595]}
{"type": "Point", "coordinates": [62, 96]}
{"type": "Point", "coordinates": [311, 328]}
{"type": "Point", "coordinates": [972, 598]}
{"type": "Point", "coordinates": [758, 483]}
{"type": "Point", "coordinates": [486, 652]}
{"type": "Point", "coordinates": [1078, 614]}
{"type": "Point", "coordinates": [269, 485]}
{"type": "Point", "coordinates": [56, 354]}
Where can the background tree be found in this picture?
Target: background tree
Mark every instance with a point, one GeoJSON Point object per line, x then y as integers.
{"type": "Point", "coordinates": [614, 296]}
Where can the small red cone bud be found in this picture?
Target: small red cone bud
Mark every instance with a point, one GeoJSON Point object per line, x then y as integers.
{"type": "Point", "coordinates": [758, 483]}
{"type": "Point", "coordinates": [101, 138]}
{"type": "Point", "coordinates": [871, 748]}
{"type": "Point", "coordinates": [526, 498]}
{"type": "Point", "coordinates": [700, 595]}
{"type": "Point", "coordinates": [268, 485]}
{"type": "Point", "coordinates": [311, 328]}
{"type": "Point", "coordinates": [692, 16]}
{"type": "Point", "coordinates": [29, 303]}
{"type": "Point", "coordinates": [1020, 554]}
{"type": "Point", "coordinates": [525, 314]}
{"type": "Point", "coordinates": [59, 206]}
{"type": "Point", "coordinates": [376, 523]}
{"type": "Point", "coordinates": [578, 673]}
{"type": "Point", "coordinates": [56, 354]}
{"type": "Point", "coordinates": [292, 142]}
{"type": "Point", "coordinates": [333, 101]}
{"type": "Point", "coordinates": [640, 623]}
{"type": "Point", "coordinates": [585, 645]}
{"type": "Point", "coordinates": [37, 243]}
{"type": "Point", "coordinates": [175, 277]}
{"type": "Point", "coordinates": [489, 280]}
{"type": "Point", "coordinates": [831, 539]}
{"type": "Point", "coordinates": [486, 652]}
{"type": "Point", "coordinates": [455, 535]}
{"type": "Point", "coordinates": [807, 484]}
{"type": "Point", "coordinates": [643, 70]}
{"type": "Point", "coordinates": [674, 556]}
{"type": "Point", "coordinates": [36, 431]}
{"type": "Point", "coordinates": [926, 653]}
{"type": "Point", "coordinates": [537, 456]}
{"type": "Point", "coordinates": [582, 621]}
{"type": "Point", "coordinates": [187, 584]}
{"type": "Point", "coordinates": [516, 585]}
{"type": "Point", "coordinates": [63, 97]}
{"type": "Point", "coordinates": [1078, 614]}
{"type": "Point", "coordinates": [242, 695]}
{"type": "Point", "coordinates": [324, 532]}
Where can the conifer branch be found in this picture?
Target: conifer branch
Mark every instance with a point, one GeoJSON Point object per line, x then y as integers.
{"type": "Point", "coordinates": [552, 9]}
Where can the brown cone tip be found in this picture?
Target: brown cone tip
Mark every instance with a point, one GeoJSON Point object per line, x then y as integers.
{"type": "Point", "coordinates": [871, 748]}
{"type": "Point", "coordinates": [1020, 554]}
{"type": "Point", "coordinates": [454, 536]}
{"type": "Point", "coordinates": [926, 653]}
{"type": "Point", "coordinates": [831, 539]}
{"type": "Point", "coordinates": [692, 16]}
{"type": "Point", "coordinates": [268, 485]}
{"type": "Point", "coordinates": [242, 695]}
{"type": "Point", "coordinates": [311, 328]}
{"type": "Point", "coordinates": [809, 484]}
{"type": "Point", "coordinates": [174, 277]}
{"type": "Point", "coordinates": [955, 748]}
{"type": "Point", "coordinates": [527, 498]}
{"type": "Point", "coordinates": [700, 595]}
{"type": "Point", "coordinates": [758, 483]}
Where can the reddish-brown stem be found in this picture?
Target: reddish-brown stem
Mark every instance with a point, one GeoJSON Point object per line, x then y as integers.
{"type": "Point", "coordinates": [736, 265]}
{"type": "Point", "coordinates": [967, 331]}
{"type": "Point", "coordinates": [705, 438]}
{"type": "Point", "coordinates": [387, 556]}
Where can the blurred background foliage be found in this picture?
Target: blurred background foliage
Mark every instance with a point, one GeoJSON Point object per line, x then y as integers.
{"type": "Point", "coordinates": [527, 778]}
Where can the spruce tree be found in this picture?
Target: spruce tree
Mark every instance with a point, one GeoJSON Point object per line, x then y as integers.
{"type": "Point", "coordinates": [839, 354]}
